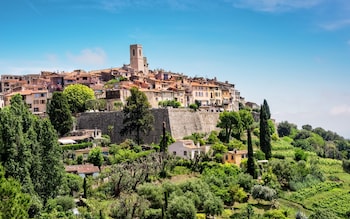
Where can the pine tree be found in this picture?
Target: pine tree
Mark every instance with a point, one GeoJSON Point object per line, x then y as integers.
{"type": "Point", "coordinates": [265, 135]}
{"type": "Point", "coordinates": [137, 115]}
{"type": "Point", "coordinates": [59, 113]}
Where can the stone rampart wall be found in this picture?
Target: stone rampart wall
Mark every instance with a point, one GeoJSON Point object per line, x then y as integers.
{"type": "Point", "coordinates": [179, 122]}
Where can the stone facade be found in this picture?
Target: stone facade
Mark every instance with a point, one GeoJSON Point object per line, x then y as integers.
{"type": "Point", "coordinates": [179, 122]}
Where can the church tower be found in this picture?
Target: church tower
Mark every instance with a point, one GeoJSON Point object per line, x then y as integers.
{"type": "Point", "coordinates": [137, 61]}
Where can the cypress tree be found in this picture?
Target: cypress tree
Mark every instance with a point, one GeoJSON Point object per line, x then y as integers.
{"type": "Point", "coordinates": [247, 120]}
{"type": "Point", "coordinates": [265, 136]}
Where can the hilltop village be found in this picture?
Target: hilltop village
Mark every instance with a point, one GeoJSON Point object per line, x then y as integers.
{"type": "Point", "coordinates": [113, 85]}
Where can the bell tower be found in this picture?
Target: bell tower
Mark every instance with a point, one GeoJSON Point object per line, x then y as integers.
{"type": "Point", "coordinates": [136, 58]}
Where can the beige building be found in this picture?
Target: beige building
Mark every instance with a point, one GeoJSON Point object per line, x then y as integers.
{"type": "Point", "coordinates": [235, 156]}
{"type": "Point", "coordinates": [35, 99]}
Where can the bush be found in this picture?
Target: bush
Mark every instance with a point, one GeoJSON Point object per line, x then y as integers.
{"type": "Point", "coordinates": [65, 202]}
{"type": "Point", "coordinates": [263, 193]}
{"type": "Point", "coordinates": [346, 165]}
{"type": "Point", "coordinates": [279, 156]}
{"type": "Point", "coordinates": [76, 146]}
{"type": "Point", "coordinates": [259, 155]}
{"type": "Point", "coordinates": [299, 154]}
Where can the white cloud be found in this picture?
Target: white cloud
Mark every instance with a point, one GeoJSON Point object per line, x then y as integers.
{"type": "Point", "coordinates": [340, 110]}
{"type": "Point", "coordinates": [95, 56]}
{"type": "Point", "coordinates": [336, 25]}
{"type": "Point", "coordinates": [274, 5]}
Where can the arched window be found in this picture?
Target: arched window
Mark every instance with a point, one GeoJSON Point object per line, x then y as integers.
{"type": "Point", "coordinates": [133, 52]}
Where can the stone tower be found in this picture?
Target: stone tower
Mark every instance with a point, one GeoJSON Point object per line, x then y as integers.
{"type": "Point", "coordinates": [137, 61]}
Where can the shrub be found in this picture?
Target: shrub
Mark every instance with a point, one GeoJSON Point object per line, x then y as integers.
{"type": "Point", "coordinates": [76, 146]}
{"type": "Point", "coordinates": [65, 202]}
{"type": "Point", "coordinates": [346, 165]}
{"type": "Point", "coordinates": [299, 154]}
{"type": "Point", "coordinates": [259, 155]}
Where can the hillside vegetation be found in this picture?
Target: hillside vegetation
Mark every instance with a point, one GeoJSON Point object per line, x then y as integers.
{"type": "Point", "coordinates": [298, 174]}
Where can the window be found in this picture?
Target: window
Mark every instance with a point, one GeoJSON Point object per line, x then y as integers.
{"type": "Point", "coordinates": [174, 152]}
{"type": "Point", "coordinates": [36, 109]}
{"type": "Point", "coordinates": [185, 153]}
{"type": "Point", "coordinates": [226, 157]}
{"type": "Point", "coordinates": [133, 52]}
{"type": "Point", "coordinates": [36, 101]}
{"type": "Point", "coordinates": [42, 101]}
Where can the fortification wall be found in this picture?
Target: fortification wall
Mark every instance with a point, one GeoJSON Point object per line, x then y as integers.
{"type": "Point", "coordinates": [184, 122]}
{"type": "Point", "coordinates": [179, 122]}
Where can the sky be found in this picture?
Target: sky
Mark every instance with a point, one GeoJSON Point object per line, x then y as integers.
{"type": "Point", "coordinates": [293, 53]}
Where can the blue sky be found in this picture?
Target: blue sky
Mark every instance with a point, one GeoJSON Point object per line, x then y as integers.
{"type": "Point", "coordinates": [293, 53]}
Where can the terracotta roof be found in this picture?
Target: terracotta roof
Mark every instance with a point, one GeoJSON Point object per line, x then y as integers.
{"type": "Point", "coordinates": [85, 168]}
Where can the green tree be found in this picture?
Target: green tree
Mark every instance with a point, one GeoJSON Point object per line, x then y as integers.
{"type": "Point", "coordinates": [77, 95]}
{"type": "Point", "coordinates": [247, 121]}
{"type": "Point", "coordinates": [263, 193]}
{"type": "Point", "coordinates": [96, 157]}
{"type": "Point", "coordinates": [118, 105]}
{"type": "Point", "coordinates": [229, 121]}
{"type": "Point", "coordinates": [51, 171]}
{"type": "Point", "coordinates": [213, 206]}
{"type": "Point", "coordinates": [13, 203]}
{"type": "Point", "coordinates": [59, 113]}
{"type": "Point", "coordinates": [265, 135]}
{"type": "Point", "coordinates": [285, 128]}
{"type": "Point", "coordinates": [137, 115]}
{"type": "Point", "coordinates": [181, 208]}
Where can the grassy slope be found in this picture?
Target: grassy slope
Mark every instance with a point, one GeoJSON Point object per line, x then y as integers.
{"type": "Point", "coordinates": [332, 195]}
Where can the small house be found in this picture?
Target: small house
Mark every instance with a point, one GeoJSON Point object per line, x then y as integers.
{"type": "Point", "coordinates": [187, 149]}
{"type": "Point", "coordinates": [235, 156]}
{"type": "Point", "coordinates": [83, 170]}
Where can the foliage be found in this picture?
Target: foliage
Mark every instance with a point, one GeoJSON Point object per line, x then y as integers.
{"type": "Point", "coordinates": [213, 138]}
{"type": "Point", "coordinates": [95, 156]}
{"type": "Point", "coordinates": [118, 105]}
{"type": "Point", "coordinates": [29, 150]}
{"type": "Point", "coordinates": [218, 148]}
{"type": "Point", "coordinates": [263, 193]}
{"type": "Point", "coordinates": [96, 104]}
{"type": "Point", "coordinates": [59, 113]}
{"type": "Point", "coordinates": [13, 203]}
{"type": "Point", "coordinates": [180, 208]}
{"type": "Point", "coordinates": [129, 206]}
{"type": "Point", "coordinates": [137, 115]}
{"type": "Point", "coordinates": [300, 155]}
{"type": "Point", "coordinates": [77, 95]}
{"type": "Point", "coordinates": [275, 214]}
{"type": "Point", "coordinates": [196, 138]}
{"type": "Point", "coordinates": [285, 128]}
{"type": "Point", "coordinates": [171, 103]}
{"type": "Point", "coordinates": [76, 146]}
{"type": "Point", "coordinates": [193, 106]}
{"type": "Point", "coordinates": [265, 133]}
{"type": "Point", "coordinates": [213, 206]}
{"type": "Point", "coordinates": [346, 165]}
{"type": "Point", "coordinates": [65, 202]}
{"type": "Point", "coordinates": [323, 214]}
{"type": "Point", "coordinates": [169, 140]}
{"type": "Point", "coordinates": [230, 122]}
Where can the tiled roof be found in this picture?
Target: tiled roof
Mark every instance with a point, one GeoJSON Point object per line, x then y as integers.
{"type": "Point", "coordinates": [85, 168]}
